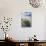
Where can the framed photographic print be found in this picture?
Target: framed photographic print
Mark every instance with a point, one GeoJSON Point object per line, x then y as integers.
{"type": "Point", "coordinates": [26, 19]}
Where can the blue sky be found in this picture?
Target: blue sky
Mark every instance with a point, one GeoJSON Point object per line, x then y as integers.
{"type": "Point", "coordinates": [28, 13]}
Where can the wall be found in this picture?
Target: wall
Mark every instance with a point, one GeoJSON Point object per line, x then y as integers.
{"type": "Point", "coordinates": [13, 8]}
{"type": "Point", "coordinates": [45, 28]}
